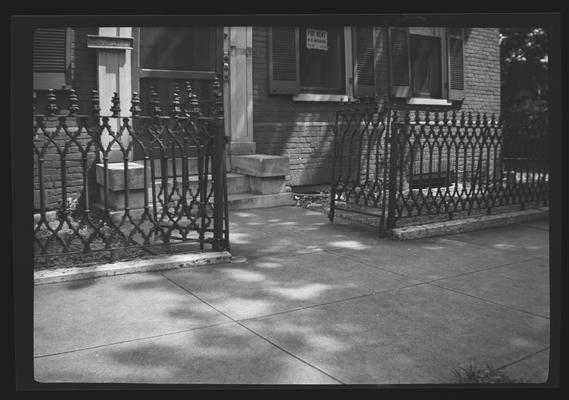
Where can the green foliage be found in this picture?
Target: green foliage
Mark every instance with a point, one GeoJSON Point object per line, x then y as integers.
{"type": "Point", "coordinates": [485, 375]}
{"type": "Point", "coordinates": [523, 54]}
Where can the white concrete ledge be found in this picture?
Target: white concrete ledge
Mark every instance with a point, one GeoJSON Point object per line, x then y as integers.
{"type": "Point", "coordinates": [428, 101]}
{"type": "Point", "coordinates": [128, 267]}
{"type": "Point", "coordinates": [468, 224]}
{"type": "Point", "coordinates": [336, 98]}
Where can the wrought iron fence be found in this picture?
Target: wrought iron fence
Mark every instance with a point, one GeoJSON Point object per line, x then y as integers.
{"type": "Point", "coordinates": [114, 186]}
{"type": "Point", "coordinates": [403, 166]}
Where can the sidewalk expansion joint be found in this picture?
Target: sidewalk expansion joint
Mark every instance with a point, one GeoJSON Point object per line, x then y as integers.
{"type": "Point", "coordinates": [481, 270]}
{"type": "Point", "coordinates": [489, 301]}
{"type": "Point", "coordinates": [360, 296]}
{"type": "Point", "coordinates": [255, 333]}
{"type": "Point", "coordinates": [133, 340]}
{"type": "Point", "coordinates": [523, 358]}
{"type": "Point", "coordinates": [367, 263]}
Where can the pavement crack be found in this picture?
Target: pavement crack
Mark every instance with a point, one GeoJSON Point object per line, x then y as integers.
{"type": "Point", "coordinates": [238, 322]}
{"type": "Point", "coordinates": [489, 301]}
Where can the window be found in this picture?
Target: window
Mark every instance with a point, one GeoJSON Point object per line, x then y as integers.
{"type": "Point", "coordinates": [427, 63]}
{"type": "Point", "coordinates": [322, 60]}
{"type": "Point", "coordinates": [187, 49]}
{"type": "Point", "coordinates": [425, 66]}
{"type": "Point", "coordinates": [168, 56]}
{"type": "Point", "coordinates": [327, 62]}
{"type": "Point", "coordinates": [50, 58]}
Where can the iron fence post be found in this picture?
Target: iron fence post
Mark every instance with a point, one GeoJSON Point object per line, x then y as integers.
{"type": "Point", "coordinates": [331, 212]}
{"type": "Point", "coordinates": [393, 134]}
{"type": "Point", "coordinates": [218, 162]}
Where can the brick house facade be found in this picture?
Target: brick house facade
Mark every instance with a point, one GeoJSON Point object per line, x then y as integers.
{"type": "Point", "coordinates": [302, 130]}
{"type": "Point", "coordinates": [287, 116]}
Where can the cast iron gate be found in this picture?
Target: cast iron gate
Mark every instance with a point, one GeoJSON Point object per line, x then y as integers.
{"type": "Point", "coordinates": [109, 187]}
{"type": "Point", "coordinates": [397, 165]}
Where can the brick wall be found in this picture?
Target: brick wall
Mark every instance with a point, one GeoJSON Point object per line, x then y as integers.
{"type": "Point", "coordinates": [482, 70]}
{"type": "Point", "coordinates": [302, 131]}
{"type": "Point", "coordinates": [53, 144]}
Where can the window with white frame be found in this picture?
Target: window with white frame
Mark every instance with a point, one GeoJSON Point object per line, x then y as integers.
{"type": "Point", "coordinates": [426, 63]}
{"type": "Point", "coordinates": [320, 61]}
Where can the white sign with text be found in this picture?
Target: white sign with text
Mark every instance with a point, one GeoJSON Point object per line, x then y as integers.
{"type": "Point", "coordinates": [316, 39]}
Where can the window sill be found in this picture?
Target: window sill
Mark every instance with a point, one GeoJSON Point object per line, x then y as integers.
{"type": "Point", "coordinates": [333, 98]}
{"type": "Point", "coordinates": [428, 102]}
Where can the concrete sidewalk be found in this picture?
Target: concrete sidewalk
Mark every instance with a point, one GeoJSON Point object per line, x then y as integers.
{"type": "Point", "coordinates": [308, 302]}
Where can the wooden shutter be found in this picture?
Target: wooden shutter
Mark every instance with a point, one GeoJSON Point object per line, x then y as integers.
{"type": "Point", "coordinates": [455, 63]}
{"type": "Point", "coordinates": [399, 62]}
{"type": "Point", "coordinates": [49, 50]}
{"type": "Point", "coordinates": [284, 65]}
{"type": "Point", "coordinates": [364, 61]}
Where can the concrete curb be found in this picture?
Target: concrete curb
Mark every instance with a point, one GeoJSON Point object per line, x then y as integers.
{"type": "Point", "coordinates": [468, 224]}
{"type": "Point", "coordinates": [129, 267]}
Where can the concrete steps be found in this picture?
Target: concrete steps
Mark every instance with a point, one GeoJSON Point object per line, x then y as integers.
{"type": "Point", "coordinates": [236, 183]}
{"type": "Point", "coordinates": [239, 193]}
{"type": "Point", "coordinates": [266, 178]}
{"type": "Point", "coordinates": [243, 201]}
{"type": "Point", "coordinates": [257, 181]}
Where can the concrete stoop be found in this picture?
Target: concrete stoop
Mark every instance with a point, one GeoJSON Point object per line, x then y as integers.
{"type": "Point", "coordinates": [266, 182]}
{"type": "Point", "coordinates": [468, 224]}
{"type": "Point", "coordinates": [256, 181]}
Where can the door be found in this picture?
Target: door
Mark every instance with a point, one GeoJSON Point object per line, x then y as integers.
{"type": "Point", "coordinates": [166, 58]}
{"type": "Point", "coordinates": [167, 55]}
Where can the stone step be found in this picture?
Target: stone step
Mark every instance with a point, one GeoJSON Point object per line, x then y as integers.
{"type": "Point", "coordinates": [236, 201]}
{"type": "Point", "coordinates": [176, 164]}
{"type": "Point", "coordinates": [236, 183]}
{"type": "Point", "coordinates": [243, 201]}
{"type": "Point", "coordinates": [171, 164]}
{"type": "Point", "coordinates": [261, 165]}
{"type": "Point", "coordinates": [253, 194]}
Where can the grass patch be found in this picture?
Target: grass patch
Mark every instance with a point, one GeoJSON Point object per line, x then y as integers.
{"type": "Point", "coordinates": [473, 374]}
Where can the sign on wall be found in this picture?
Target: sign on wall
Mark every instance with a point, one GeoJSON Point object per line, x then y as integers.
{"type": "Point", "coordinates": [316, 39]}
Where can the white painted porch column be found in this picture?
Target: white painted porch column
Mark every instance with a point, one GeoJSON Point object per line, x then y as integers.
{"type": "Point", "coordinates": [239, 102]}
{"type": "Point", "coordinates": [114, 74]}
